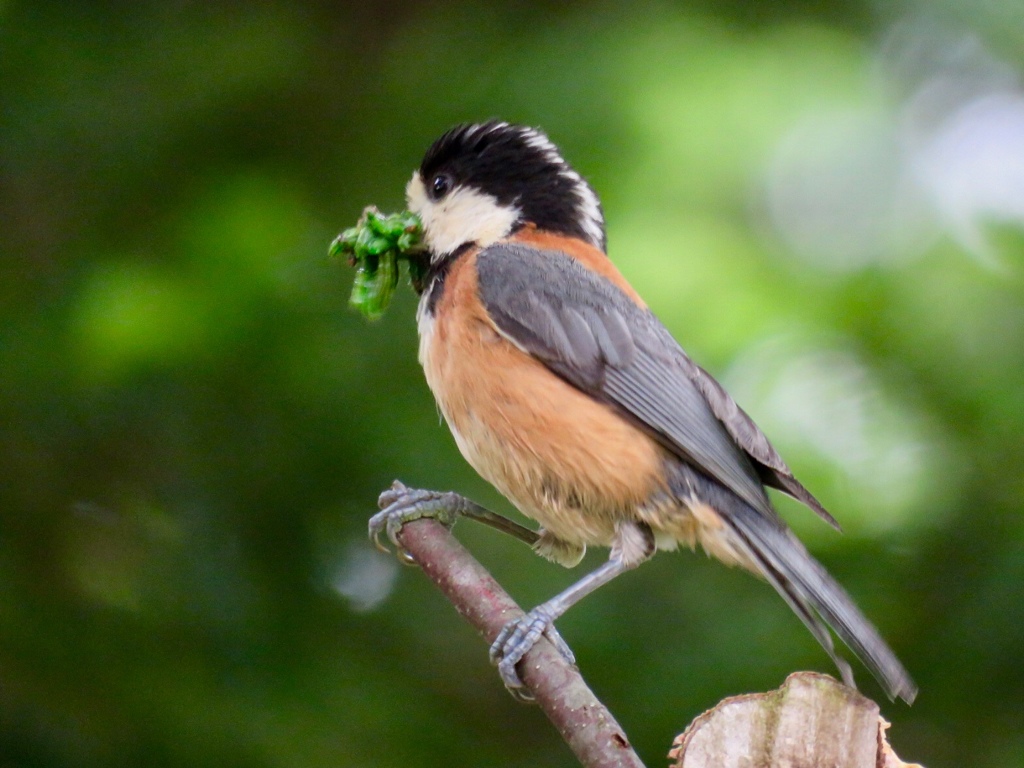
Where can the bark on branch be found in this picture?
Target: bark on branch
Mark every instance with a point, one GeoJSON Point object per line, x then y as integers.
{"type": "Point", "coordinates": [586, 725]}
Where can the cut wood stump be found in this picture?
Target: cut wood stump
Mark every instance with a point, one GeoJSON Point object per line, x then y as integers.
{"type": "Point", "coordinates": [812, 721]}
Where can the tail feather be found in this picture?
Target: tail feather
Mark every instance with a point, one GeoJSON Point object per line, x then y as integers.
{"type": "Point", "coordinates": [815, 596]}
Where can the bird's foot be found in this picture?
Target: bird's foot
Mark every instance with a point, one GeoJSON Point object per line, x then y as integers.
{"type": "Point", "coordinates": [516, 639]}
{"type": "Point", "coordinates": [400, 504]}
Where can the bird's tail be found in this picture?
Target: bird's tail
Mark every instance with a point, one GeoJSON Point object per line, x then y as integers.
{"type": "Point", "coordinates": [815, 596]}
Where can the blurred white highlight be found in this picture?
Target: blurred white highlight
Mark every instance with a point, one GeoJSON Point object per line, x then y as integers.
{"type": "Point", "coordinates": [972, 166]}
{"type": "Point", "coordinates": [364, 576]}
{"type": "Point", "coordinates": [863, 185]}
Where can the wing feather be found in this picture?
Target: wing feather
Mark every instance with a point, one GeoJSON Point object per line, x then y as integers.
{"type": "Point", "coordinates": [586, 330]}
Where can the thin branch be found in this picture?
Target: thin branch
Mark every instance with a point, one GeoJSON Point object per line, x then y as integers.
{"type": "Point", "coordinates": [584, 722]}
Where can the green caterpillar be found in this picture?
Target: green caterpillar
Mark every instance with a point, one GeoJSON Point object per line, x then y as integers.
{"type": "Point", "coordinates": [374, 246]}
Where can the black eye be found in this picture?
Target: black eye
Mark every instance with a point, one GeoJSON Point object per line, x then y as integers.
{"type": "Point", "coordinates": [440, 186]}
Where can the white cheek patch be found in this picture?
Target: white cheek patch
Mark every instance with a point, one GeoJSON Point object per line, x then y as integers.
{"type": "Point", "coordinates": [465, 215]}
{"type": "Point", "coordinates": [415, 193]}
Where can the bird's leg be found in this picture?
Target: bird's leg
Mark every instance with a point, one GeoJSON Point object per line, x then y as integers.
{"type": "Point", "coordinates": [400, 505]}
{"type": "Point", "coordinates": [634, 543]}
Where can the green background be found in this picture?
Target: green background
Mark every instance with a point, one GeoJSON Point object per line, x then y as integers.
{"type": "Point", "coordinates": [194, 427]}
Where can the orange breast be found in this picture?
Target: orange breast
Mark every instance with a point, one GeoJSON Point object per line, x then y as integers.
{"type": "Point", "coordinates": [561, 457]}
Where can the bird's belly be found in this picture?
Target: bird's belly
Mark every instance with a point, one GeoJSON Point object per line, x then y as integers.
{"type": "Point", "coordinates": [564, 459]}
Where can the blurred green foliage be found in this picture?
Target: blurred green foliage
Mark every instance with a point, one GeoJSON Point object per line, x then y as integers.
{"type": "Point", "coordinates": [194, 427]}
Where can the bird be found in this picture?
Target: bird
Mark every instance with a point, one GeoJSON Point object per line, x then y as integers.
{"type": "Point", "coordinates": [565, 392]}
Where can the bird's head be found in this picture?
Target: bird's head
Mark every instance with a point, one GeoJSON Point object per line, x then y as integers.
{"type": "Point", "coordinates": [479, 183]}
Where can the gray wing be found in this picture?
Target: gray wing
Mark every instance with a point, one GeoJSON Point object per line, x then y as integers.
{"type": "Point", "coordinates": [586, 330]}
{"type": "Point", "coordinates": [770, 466]}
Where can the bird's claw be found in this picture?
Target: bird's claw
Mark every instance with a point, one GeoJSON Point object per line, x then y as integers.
{"type": "Point", "coordinates": [516, 639]}
{"type": "Point", "coordinates": [400, 504]}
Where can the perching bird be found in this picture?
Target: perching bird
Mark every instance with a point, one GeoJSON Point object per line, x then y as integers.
{"type": "Point", "coordinates": [566, 393]}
